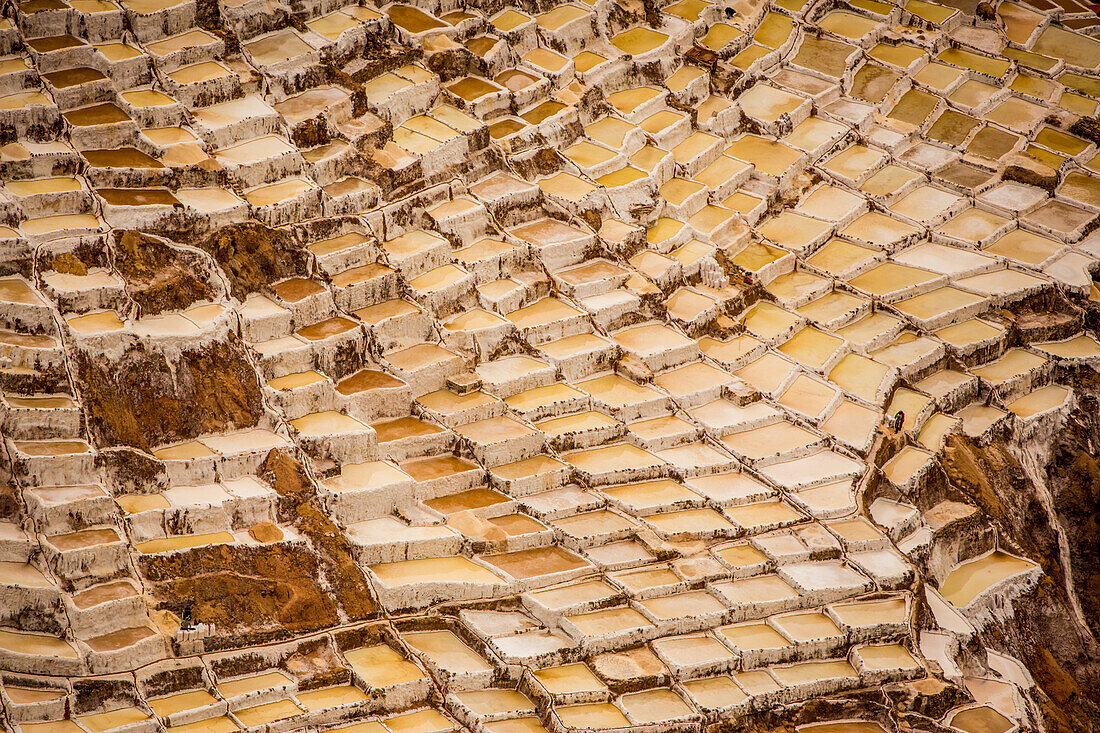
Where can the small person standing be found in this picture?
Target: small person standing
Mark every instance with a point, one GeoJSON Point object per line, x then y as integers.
{"type": "Point", "coordinates": [187, 623]}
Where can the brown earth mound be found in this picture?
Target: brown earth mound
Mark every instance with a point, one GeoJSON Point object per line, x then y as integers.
{"type": "Point", "coordinates": [254, 256]}
{"type": "Point", "coordinates": [143, 401]}
{"type": "Point", "coordinates": [243, 589]}
{"type": "Point", "coordinates": [68, 263]}
{"type": "Point", "coordinates": [274, 590]}
{"type": "Point", "coordinates": [265, 532]}
{"type": "Point", "coordinates": [159, 277]}
{"type": "Point", "coordinates": [1087, 128]}
{"type": "Point", "coordinates": [290, 480]}
{"type": "Point", "coordinates": [1029, 171]}
{"type": "Point", "coordinates": [1043, 630]}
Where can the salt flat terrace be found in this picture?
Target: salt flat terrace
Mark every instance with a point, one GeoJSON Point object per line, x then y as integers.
{"type": "Point", "coordinates": [525, 367]}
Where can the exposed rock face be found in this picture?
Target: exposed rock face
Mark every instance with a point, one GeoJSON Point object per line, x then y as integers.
{"type": "Point", "coordinates": [381, 55]}
{"type": "Point", "coordinates": [9, 502]}
{"type": "Point", "coordinates": [299, 506]}
{"type": "Point", "coordinates": [253, 255]}
{"type": "Point", "coordinates": [1043, 630]}
{"type": "Point", "coordinates": [133, 471]}
{"type": "Point", "coordinates": [272, 591]}
{"type": "Point", "coordinates": [269, 591]}
{"type": "Point", "coordinates": [142, 399]}
{"type": "Point", "coordinates": [1048, 317]}
{"type": "Point", "coordinates": [158, 276]}
{"type": "Point", "coordinates": [1062, 654]}
{"type": "Point", "coordinates": [1074, 478]}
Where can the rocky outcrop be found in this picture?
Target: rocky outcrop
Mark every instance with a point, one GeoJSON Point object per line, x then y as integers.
{"type": "Point", "coordinates": [144, 399]}
{"type": "Point", "coordinates": [273, 591]}
{"type": "Point", "coordinates": [299, 507]}
{"type": "Point", "coordinates": [253, 256]}
{"type": "Point", "coordinates": [1074, 477]}
{"type": "Point", "coordinates": [158, 276]}
{"type": "Point", "coordinates": [250, 593]}
{"type": "Point", "coordinates": [1042, 628]}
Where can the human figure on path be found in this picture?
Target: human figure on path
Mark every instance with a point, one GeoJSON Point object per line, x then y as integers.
{"type": "Point", "coordinates": [186, 623]}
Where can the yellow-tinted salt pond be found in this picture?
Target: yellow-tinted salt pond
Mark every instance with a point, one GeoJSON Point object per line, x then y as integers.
{"type": "Point", "coordinates": [870, 613]}
{"type": "Point", "coordinates": [184, 542]}
{"type": "Point", "coordinates": [807, 395]}
{"type": "Point", "coordinates": [683, 605]}
{"type": "Point", "coordinates": [609, 621]}
{"type": "Point", "coordinates": [99, 722]}
{"type": "Point", "coordinates": [651, 494]}
{"type": "Point", "coordinates": [763, 588]}
{"type": "Point", "coordinates": [23, 574]}
{"type": "Point", "coordinates": [972, 577]}
{"type": "Point", "coordinates": [1078, 347]}
{"type": "Point", "coordinates": [812, 347]}
{"type": "Point", "coordinates": [807, 626]}
{"type": "Point", "coordinates": [29, 695]}
{"type": "Point", "coordinates": [525, 564]}
{"type": "Point", "coordinates": [267, 713]}
{"type": "Point", "coordinates": [838, 256]}
{"type": "Point", "coordinates": [39, 644]}
{"type": "Point", "coordinates": [1014, 363]}
{"type": "Point", "coordinates": [592, 716]}
{"type": "Point", "coordinates": [715, 692]}
{"type": "Point", "coordinates": [980, 719]}
{"type": "Point", "coordinates": [330, 697]}
{"type": "Point", "coordinates": [382, 666]}
{"type": "Point", "coordinates": [767, 373]}
{"type": "Point", "coordinates": [1040, 400]}
{"type": "Point", "coordinates": [767, 320]}
{"type": "Point", "coordinates": [769, 156]}
{"type": "Point", "coordinates": [493, 702]}
{"type": "Point", "coordinates": [575, 423]}
{"type": "Point", "coordinates": [413, 19]}
{"type": "Point", "coordinates": [574, 594]}
{"type": "Point", "coordinates": [690, 521]}
{"type": "Point", "coordinates": [51, 726]}
{"type": "Point", "coordinates": [254, 683]}
{"type": "Point", "coordinates": [428, 720]}
{"type": "Point", "coordinates": [278, 192]}
{"type": "Point", "coordinates": [655, 706]}
{"type": "Point", "coordinates": [638, 41]}
{"type": "Point", "coordinates": [434, 570]}
{"type": "Point", "coordinates": [448, 651]}
{"type": "Point", "coordinates": [843, 727]}
{"type": "Point", "coordinates": [769, 440]}
{"type": "Point", "coordinates": [569, 678]}
{"type": "Point", "coordinates": [219, 724]}
{"type": "Point", "coordinates": [891, 277]}
{"type": "Point", "coordinates": [165, 706]}
{"type": "Point", "coordinates": [808, 673]}
{"type": "Point", "coordinates": [741, 555]}
{"type": "Point", "coordinates": [756, 682]}
{"type": "Point", "coordinates": [753, 636]}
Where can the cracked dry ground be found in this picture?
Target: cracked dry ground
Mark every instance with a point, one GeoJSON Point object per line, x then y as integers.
{"type": "Point", "coordinates": [676, 366]}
